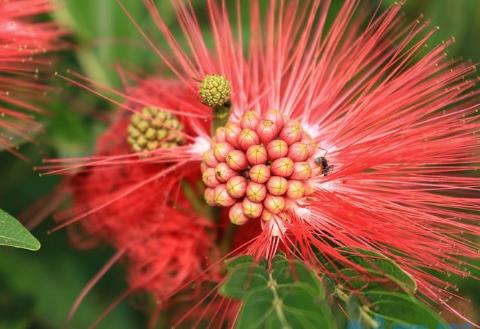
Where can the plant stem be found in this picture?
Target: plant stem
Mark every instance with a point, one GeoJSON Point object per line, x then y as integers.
{"type": "Point", "coordinates": [220, 116]}
{"type": "Point", "coordinates": [227, 239]}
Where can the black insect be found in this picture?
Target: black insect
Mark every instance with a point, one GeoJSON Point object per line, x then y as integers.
{"type": "Point", "coordinates": [323, 162]}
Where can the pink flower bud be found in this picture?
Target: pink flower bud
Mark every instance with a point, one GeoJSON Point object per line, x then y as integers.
{"type": "Point", "coordinates": [316, 168]}
{"type": "Point", "coordinates": [312, 145]}
{"type": "Point", "coordinates": [220, 134]}
{"type": "Point", "coordinates": [296, 189]}
{"type": "Point", "coordinates": [277, 149]}
{"type": "Point", "coordinates": [209, 178]}
{"type": "Point", "coordinates": [232, 131]}
{"type": "Point", "coordinates": [223, 172]}
{"type": "Point", "coordinates": [301, 171]}
{"type": "Point", "coordinates": [275, 204]}
{"type": "Point", "coordinates": [308, 188]}
{"type": "Point", "coordinates": [221, 150]}
{"type": "Point", "coordinates": [237, 160]}
{"type": "Point", "coordinates": [256, 154]}
{"type": "Point", "coordinates": [277, 185]}
{"type": "Point", "coordinates": [221, 196]}
{"type": "Point", "coordinates": [298, 152]}
{"type": "Point", "coordinates": [236, 214]}
{"type": "Point", "coordinates": [292, 132]}
{"type": "Point", "coordinates": [267, 130]}
{"type": "Point", "coordinates": [266, 215]}
{"type": "Point", "coordinates": [203, 166]}
{"type": "Point", "coordinates": [251, 209]}
{"type": "Point", "coordinates": [276, 117]}
{"type": "Point", "coordinates": [259, 173]}
{"type": "Point", "coordinates": [256, 192]}
{"type": "Point", "coordinates": [249, 120]}
{"type": "Point", "coordinates": [209, 196]}
{"type": "Point", "coordinates": [282, 167]}
{"type": "Point", "coordinates": [237, 186]}
{"type": "Point", "coordinates": [209, 158]}
{"type": "Point", "coordinates": [247, 138]}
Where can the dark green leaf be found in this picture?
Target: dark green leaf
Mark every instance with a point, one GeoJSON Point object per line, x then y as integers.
{"type": "Point", "coordinates": [400, 309]}
{"type": "Point", "coordinates": [13, 234]}
{"type": "Point", "coordinates": [381, 266]}
{"type": "Point", "coordinates": [287, 295]}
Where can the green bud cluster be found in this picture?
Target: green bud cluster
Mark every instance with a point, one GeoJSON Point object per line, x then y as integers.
{"type": "Point", "coordinates": [215, 90]}
{"type": "Point", "coordinates": [154, 128]}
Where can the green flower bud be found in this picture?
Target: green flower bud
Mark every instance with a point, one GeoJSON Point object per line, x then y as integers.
{"type": "Point", "coordinates": [153, 128]}
{"type": "Point", "coordinates": [215, 90]}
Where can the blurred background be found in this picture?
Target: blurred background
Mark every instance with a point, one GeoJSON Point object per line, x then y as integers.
{"type": "Point", "coordinates": [37, 289]}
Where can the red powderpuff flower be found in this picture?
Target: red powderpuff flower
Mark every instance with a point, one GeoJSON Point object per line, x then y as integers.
{"type": "Point", "coordinates": [22, 41]}
{"type": "Point", "coordinates": [348, 136]}
{"type": "Point", "coordinates": [137, 205]}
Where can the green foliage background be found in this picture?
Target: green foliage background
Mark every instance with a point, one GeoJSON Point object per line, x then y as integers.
{"type": "Point", "coordinates": [37, 289]}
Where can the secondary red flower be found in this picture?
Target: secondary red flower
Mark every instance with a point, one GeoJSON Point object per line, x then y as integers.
{"type": "Point", "coordinates": [138, 206]}
{"type": "Point", "coordinates": [23, 41]}
{"type": "Point", "coordinates": [348, 136]}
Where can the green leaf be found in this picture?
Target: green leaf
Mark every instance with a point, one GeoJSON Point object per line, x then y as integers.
{"type": "Point", "coordinates": [13, 234]}
{"type": "Point", "coordinates": [396, 309]}
{"type": "Point", "coordinates": [287, 295]}
{"type": "Point", "coordinates": [381, 266]}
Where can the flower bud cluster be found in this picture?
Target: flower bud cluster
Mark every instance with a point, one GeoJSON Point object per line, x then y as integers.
{"type": "Point", "coordinates": [214, 90]}
{"type": "Point", "coordinates": [258, 166]}
{"type": "Point", "coordinates": [154, 128]}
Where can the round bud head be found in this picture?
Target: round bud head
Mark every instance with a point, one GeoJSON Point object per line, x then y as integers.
{"type": "Point", "coordinates": [251, 209]}
{"type": "Point", "coordinates": [256, 154]}
{"type": "Point", "coordinates": [154, 128]}
{"type": "Point", "coordinates": [301, 171]}
{"type": "Point", "coordinates": [275, 204]}
{"type": "Point", "coordinates": [220, 150]}
{"type": "Point", "coordinates": [247, 138]}
{"type": "Point", "coordinates": [232, 131]}
{"type": "Point", "coordinates": [221, 196]}
{"type": "Point", "coordinates": [298, 152]}
{"type": "Point", "coordinates": [296, 189]}
{"type": "Point", "coordinates": [249, 120]}
{"type": "Point", "coordinates": [277, 185]}
{"type": "Point", "coordinates": [214, 90]}
{"type": "Point", "coordinates": [237, 186]}
{"type": "Point", "coordinates": [209, 196]}
{"type": "Point", "coordinates": [266, 215]}
{"type": "Point", "coordinates": [209, 158]}
{"type": "Point", "coordinates": [236, 214]}
{"type": "Point", "coordinates": [209, 178]}
{"type": "Point", "coordinates": [282, 167]}
{"type": "Point", "coordinates": [256, 192]}
{"type": "Point", "coordinates": [259, 173]}
{"type": "Point", "coordinates": [276, 117]}
{"type": "Point", "coordinates": [267, 130]}
{"type": "Point", "coordinates": [277, 149]}
{"type": "Point", "coordinates": [220, 134]}
{"type": "Point", "coordinates": [236, 160]}
{"type": "Point", "coordinates": [223, 172]}
{"type": "Point", "coordinates": [292, 132]}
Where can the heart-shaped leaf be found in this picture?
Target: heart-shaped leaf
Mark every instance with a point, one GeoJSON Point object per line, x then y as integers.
{"type": "Point", "coordinates": [13, 234]}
